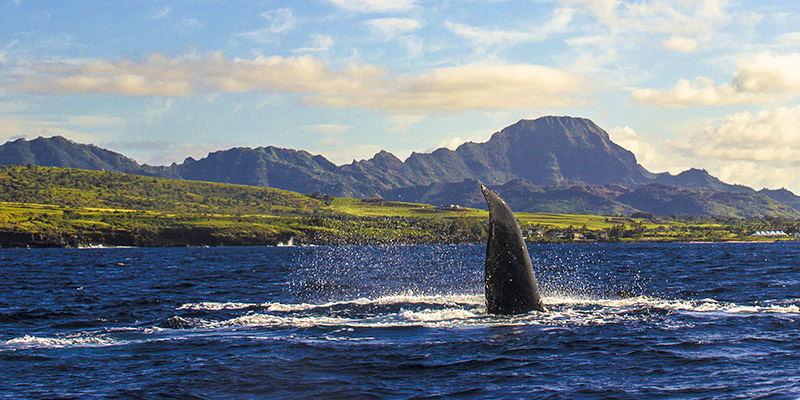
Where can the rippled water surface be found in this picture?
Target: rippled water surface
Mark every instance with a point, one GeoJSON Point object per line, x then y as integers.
{"type": "Point", "coordinates": [625, 321]}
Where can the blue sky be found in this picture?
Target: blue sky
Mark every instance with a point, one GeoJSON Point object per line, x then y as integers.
{"type": "Point", "coordinates": [712, 84]}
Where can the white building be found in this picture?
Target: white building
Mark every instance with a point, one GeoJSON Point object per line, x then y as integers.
{"type": "Point", "coordinates": [769, 233]}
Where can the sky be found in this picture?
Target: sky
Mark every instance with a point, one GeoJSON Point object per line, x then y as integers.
{"type": "Point", "coordinates": [712, 84]}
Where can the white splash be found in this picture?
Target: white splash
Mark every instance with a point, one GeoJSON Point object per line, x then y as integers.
{"type": "Point", "coordinates": [460, 310]}
{"type": "Point", "coordinates": [216, 306]}
{"type": "Point", "coordinates": [81, 340]}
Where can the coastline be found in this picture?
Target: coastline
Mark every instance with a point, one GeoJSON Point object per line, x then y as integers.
{"type": "Point", "coordinates": [11, 240]}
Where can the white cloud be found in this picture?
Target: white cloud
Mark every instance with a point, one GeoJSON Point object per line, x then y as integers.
{"type": "Point", "coordinates": [156, 110]}
{"type": "Point", "coordinates": [658, 157]}
{"type": "Point", "coordinates": [390, 28]}
{"type": "Point", "coordinates": [700, 91]}
{"type": "Point", "coordinates": [327, 129]}
{"type": "Point", "coordinates": [767, 72]}
{"type": "Point", "coordinates": [161, 13]}
{"type": "Point", "coordinates": [329, 134]}
{"type": "Point", "coordinates": [319, 43]}
{"type": "Point", "coordinates": [5, 51]}
{"type": "Point", "coordinates": [491, 37]}
{"type": "Point", "coordinates": [662, 16]}
{"type": "Point", "coordinates": [681, 44]}
{"type": "Point", "coordinates": [759, 79]}
{"type": "Point", "coordinates": [189, 24]}
{"type": "Point", "coordinates": [626, 27]}
{"type": "Point", "coordinates": [488, 37]}
{"type": "Point", "coordinates": [766, 136]}
{"type": "Point", "coordinates": [13, 127]}
{"type": "Point", "coordinates": [93, 121]}
{"type": "Point", "coordinates": [757, 149]}
{"type": "Point", "coordinates": [367, 86]}
{"type": "Point", "coordinates": [374, 6]}
{"type": "Point", "coordinates": [281, 20]}
{"type": "Point", "coordinates": [413, 45]}
{"type": "Point", "coordinates": [789, 39]}
{"type": "Point", "coordinates": [451, 143]}
{"type": "Point", "coordinates": [403, 122]}
{"type": "Point", "coordinates": [162, 152]}
{"type": "Point", "coordinates": [626, 137]}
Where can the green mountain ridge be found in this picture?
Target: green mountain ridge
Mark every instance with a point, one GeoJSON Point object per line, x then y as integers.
{"type": "Point", "coordinates": [551, 164]}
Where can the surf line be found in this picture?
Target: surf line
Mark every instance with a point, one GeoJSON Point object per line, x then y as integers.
{"type": "Point", "coordinates": [509, 282]}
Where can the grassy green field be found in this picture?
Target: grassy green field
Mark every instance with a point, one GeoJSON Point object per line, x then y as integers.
{"type": "Point", "coordinates": [41, 206]}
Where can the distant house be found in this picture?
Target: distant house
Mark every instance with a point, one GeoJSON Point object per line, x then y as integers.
{"type": "Point", "coordinates": [532, 233]}
{"type": "Point", "coordinates": [769, 233]}
{"type": "Point", "coordinates": [555, 234]}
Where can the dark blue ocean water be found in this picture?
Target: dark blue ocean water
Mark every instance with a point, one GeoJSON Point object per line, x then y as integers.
{"type": "Point", "coordinates": [625, 321]}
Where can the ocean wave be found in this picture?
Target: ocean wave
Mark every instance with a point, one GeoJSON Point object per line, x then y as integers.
{"type": "Point", "coordinates": [339, 319]}
{"type": "Point", "coordinates": [458, 310]}
{"type": "Point", "coordinates": [79, 340]}
{"type": "Point", "coordinates": [216, 306]}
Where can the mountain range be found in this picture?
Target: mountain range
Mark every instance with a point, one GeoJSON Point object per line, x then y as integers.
{"type": "Point", "coordinates": [550, 164]}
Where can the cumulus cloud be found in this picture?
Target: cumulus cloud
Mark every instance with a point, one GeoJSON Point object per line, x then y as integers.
{"type": "Point", "coordinates": [372, 6]}
{"type": "Point", "coordinates": [767, 72]}
{"type": "Point", "coordinates": [755, 149]}
{"type": "Point", "coordinates": [758, 149]}
{"type": "Point", "coordinates": [356, 85]}
{"type": "Point", "coordinates": [700, 91]}
{"type": "Point", "coordinates": [759, 79]}
{"type": "Point", "coordinates": [646, 153]}
{"type": "Point", "coordinates": [485, 87]}
{"type": "Point", "coordinates": [766, 136]}
{"type": "Point", "coordinates": [681, 44]}
{"type": "Point", "coordinates": [390, 28]}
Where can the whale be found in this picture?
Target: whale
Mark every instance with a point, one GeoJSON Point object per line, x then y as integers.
{"type": "Point", "coordinates": [509, 281]}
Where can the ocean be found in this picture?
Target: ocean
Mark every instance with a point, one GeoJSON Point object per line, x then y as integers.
{"type": "Point", "coordinates": [625, 321]}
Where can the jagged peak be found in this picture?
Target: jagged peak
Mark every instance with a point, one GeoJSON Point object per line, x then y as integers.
{"type": "Point", "coordinates": [55, 138]}
{"type": "Point", "coordinates": [694, 171]}
{"type": "Point", "coordinates": [383, 154]}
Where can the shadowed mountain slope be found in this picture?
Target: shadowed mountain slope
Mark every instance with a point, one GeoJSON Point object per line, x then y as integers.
{"type": "Point", "coordinates": [550, 164]}
{"type": "Point", "coordinates": [60, 152]}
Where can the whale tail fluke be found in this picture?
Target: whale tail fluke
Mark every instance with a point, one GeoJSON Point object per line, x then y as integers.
{"type": "Point", "coordinates": [509, 282]}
